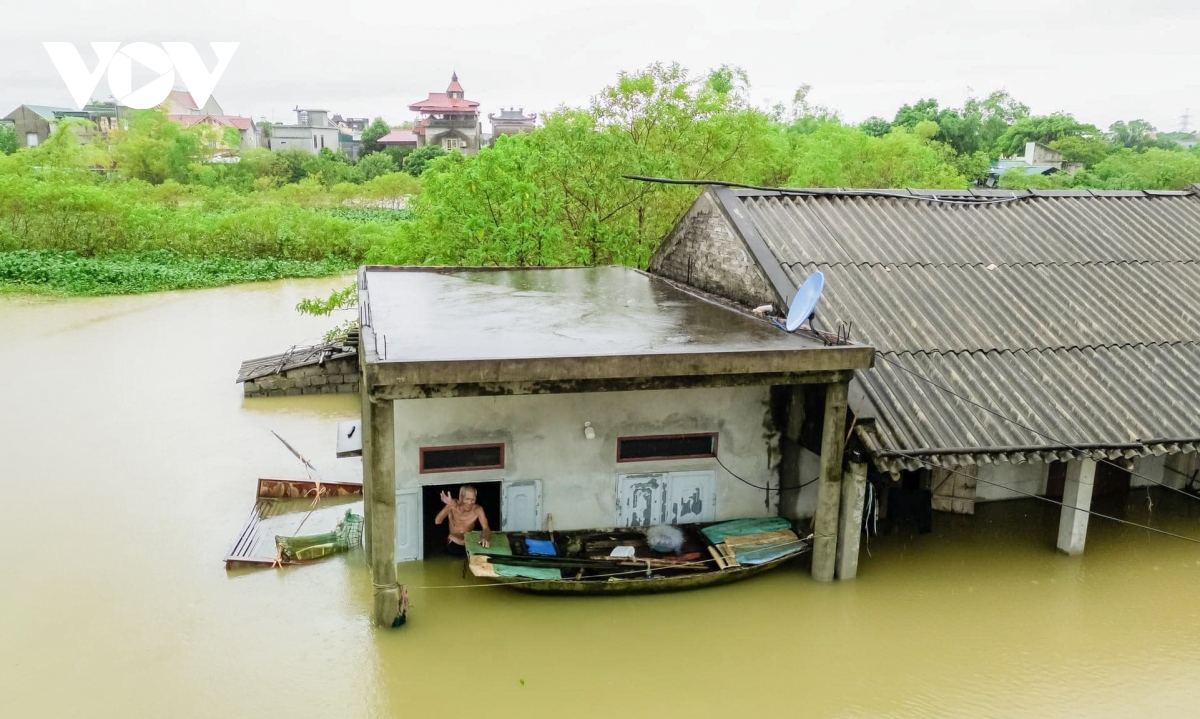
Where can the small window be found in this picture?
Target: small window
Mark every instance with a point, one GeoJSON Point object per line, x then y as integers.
{"type": "Point", "coordinates": [31, 139]}
{"type": "Point", "coordinates": [666, 446]}
{"type": "Point", "coordinates": [463, 458]}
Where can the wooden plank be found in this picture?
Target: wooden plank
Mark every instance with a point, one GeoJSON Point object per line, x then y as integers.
{"type": "Point", "coordinates": [481, 566]}
{"type": "Point", "coordinates": [718, 557]}
{"type": "Point", "coordinates": [299, 488]}
{"type": "Point", "coordinates": [727, 553]}
{"type": "Point", "coordinates": [781, 536]}
{"type": "Point", "coordinates": [349, 438]}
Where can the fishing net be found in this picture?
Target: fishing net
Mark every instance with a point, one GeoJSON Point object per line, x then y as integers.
{"type": "Point", "coordinates": [347, 535]}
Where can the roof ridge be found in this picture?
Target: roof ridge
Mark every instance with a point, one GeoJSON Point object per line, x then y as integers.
{"type": "Point", "coordinates": [992, 265]}
{"type": "Point", "coordinates": [1039, 350]}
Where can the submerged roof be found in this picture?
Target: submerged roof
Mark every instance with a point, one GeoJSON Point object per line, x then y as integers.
{"type": "Point", "coordinates": [456, 325]}
{"type": "Point", "coordinates": [1073, 312]}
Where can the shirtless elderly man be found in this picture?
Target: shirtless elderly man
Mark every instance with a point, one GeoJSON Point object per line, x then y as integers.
{"type": "Point", "coordinates": [463, 514]}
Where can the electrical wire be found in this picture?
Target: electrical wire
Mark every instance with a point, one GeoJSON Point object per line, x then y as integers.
{"type": "Point", "coordinates": [768, 488]}
{"type": "Point", "coordinates": [1027, 428]}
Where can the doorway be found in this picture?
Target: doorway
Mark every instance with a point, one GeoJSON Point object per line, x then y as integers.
{"type": "Point", "coordinates": [487, 496]}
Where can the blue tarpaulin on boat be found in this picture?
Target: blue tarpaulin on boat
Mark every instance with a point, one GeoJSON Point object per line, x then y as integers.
{"type": "Point", "coordinates": [543, 547]}
{"type": "Point", "coordinates": [739, 527]}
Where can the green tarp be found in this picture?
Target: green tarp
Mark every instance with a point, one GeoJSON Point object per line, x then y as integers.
{"type": "Point", "coordinates": [529, 572]}
{"type": "Point", "coordinates": [499, 544]}
{"type": "Point", "coordinates": [740, 527]}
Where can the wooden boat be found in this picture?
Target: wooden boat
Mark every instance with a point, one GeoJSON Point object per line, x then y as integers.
{"type": "Point", "coordinates": [598, 561]}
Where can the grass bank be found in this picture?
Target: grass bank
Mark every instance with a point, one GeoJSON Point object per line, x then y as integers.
{"type": "Point", "coordinates": [121, 273]}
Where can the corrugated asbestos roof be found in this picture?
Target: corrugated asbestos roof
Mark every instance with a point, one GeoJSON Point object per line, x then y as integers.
{"type": "Point", "coordinates": [1073, 312]}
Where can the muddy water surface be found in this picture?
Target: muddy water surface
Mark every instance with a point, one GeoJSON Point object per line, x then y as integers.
{"type": "Point", "coordinates": [127, 466]}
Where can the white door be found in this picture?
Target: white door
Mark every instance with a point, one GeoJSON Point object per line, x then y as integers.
{"type": "Point", "coordinates": [691, 497]}
{"type": "Point", "coordinates": [641, 499]}
{"type": "Point", "coordinates": [521, 506]}
{"type": "Point", "coordinates": [408, 525]}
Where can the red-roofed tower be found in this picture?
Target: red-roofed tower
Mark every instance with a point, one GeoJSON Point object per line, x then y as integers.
{"type": "Point", "coordinates": [448, 119]}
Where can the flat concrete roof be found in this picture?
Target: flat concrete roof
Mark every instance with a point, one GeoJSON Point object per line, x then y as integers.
{"type": "Point", "coordinates": [443, 325]}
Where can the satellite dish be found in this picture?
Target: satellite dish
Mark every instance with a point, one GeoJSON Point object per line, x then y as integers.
{"type": "Point", "coordinates": [804, 304]}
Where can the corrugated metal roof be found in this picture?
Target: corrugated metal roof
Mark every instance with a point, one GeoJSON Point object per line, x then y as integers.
{"type": "Point", "coordinates": [1010, 306]}
{"type": "Point", "coordinates": [1109, 396]}
{"type": "Point", "coordinates": [1071, 312]}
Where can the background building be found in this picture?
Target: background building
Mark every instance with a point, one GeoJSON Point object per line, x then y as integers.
{"type": "Point", "coordinates": [448, 119]}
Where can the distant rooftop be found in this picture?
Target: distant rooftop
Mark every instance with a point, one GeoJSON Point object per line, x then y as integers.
{"type": "Point", "coordinates": [483, 324]}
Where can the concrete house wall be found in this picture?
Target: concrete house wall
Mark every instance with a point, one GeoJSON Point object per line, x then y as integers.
{"type": "Point", "coordinates": [544, 440]}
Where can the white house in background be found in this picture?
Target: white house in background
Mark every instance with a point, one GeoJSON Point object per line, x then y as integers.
{"type": "Point", "coordinates": [574, 399]}
{"type": "Point", "coordinates": [312, 132]}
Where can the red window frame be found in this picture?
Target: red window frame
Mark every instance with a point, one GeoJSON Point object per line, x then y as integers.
{"type": "Point", "coordinates": [478, 468]}
{"type": "Point", "coordinates": [622, 440]}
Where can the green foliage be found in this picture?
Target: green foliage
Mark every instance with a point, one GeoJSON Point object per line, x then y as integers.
{"type": "Point", "coordinates": [417, 160]}
{"type": "Point", "coordinates": [1044, 129]}
{"type": "Point", "coordinates": [8, 139]}
{"type": "Point", "coordinates": [265, 129]}
{"type": "Point", "coordinates": [875, 126]}
{"type": "Point", "coordinates": [1125, 169]}
{"type": "Point", "coordinates": [1135, 134]}
{"type": "Point", "coordinates": [342, 299]}
{"type": "Point", "coordinates": [68, 273]}
{"type": "Point", "coordinates": [375, 165]}
{"type": "Point", "coordinates": [371, 134]}
{"type": "Point", "coordinates": [1088, 150]}
{"type": "Point", "coordinates": [837, 156]}
{"type": "Point", "coordinates": [154, 149]}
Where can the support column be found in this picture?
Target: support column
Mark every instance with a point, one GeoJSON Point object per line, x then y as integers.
{"type": "Point", "coordinates": [829, 489]}
{"type": "Point", "coordinates": [1077, 492]}
{"type": "Point", "coordinates": [854, 493]}
{"type": "Point", "coordinates": [365, 429]}
{"type": "Point", "coordinates": [382, 500]}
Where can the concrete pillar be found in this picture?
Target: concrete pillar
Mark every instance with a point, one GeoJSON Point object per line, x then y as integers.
{"type": "Point", "coordinates": [854, 493]}
{"type": "Point", "coordinates": [382, 470]}
{"type": "Point", "coordinates": [829, 489]}
{"type": "Point", "coordinates": [365, 428]}
{"type": "Point", "coordinates": [1077, 492]}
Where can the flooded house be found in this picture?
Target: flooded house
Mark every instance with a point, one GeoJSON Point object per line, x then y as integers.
{"type": "Point", "coordinates": [1030, 343]}
{"type": "Point", "coordinates": [575, 398]}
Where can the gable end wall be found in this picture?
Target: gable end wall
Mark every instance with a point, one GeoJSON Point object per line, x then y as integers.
{"type": "Point", "coordinates": [705, 251]}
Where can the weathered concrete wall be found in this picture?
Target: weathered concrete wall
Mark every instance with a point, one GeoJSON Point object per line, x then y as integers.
{"type": "Point", "coordinates": [1030, 477]}
{"type": "Point", "coordinates": [544, 440]}
{"type": "Point", "coordinates": [339, 375]}
{"type": "Point", "coordinates": [704, 251]}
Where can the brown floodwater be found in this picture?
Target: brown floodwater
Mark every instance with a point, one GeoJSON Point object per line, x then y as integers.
{"type": "Point", "coordinates": [127, 465]}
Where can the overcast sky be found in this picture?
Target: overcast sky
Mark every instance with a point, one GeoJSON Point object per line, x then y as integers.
{"type": "Point", "coordinates": [1101, 60]}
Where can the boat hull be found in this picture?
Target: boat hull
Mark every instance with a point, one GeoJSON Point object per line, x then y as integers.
{"type": "Point", "coordinates": [640, 585]}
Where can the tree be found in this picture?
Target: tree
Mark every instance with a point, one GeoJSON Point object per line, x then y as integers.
{"type": "Point", "coordinates": [1088, 150]}
{"type": "Point", "coordinates": [155, 149]}
{"type": "Point", "coordinates": [1044, 129]}
{"type": "Point", "coordinates": [8, 139]}
{"type": "Point", "coordinates": [909, 115]}
{"type": "Point", "coordinates": [1135, 134]}
{"type": "Point", "coordinates": [265, 129]}
{"type": "Point", "coordinates": [375, 165]}
{"type": "Point", "coordinates": [875, 126]}
{"type": "Point", "coordinates": [996, 113]}
{"type": "Point", "coordinates": [371, 134]}
{"type": "Point", "coordinates": [419, 159]}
